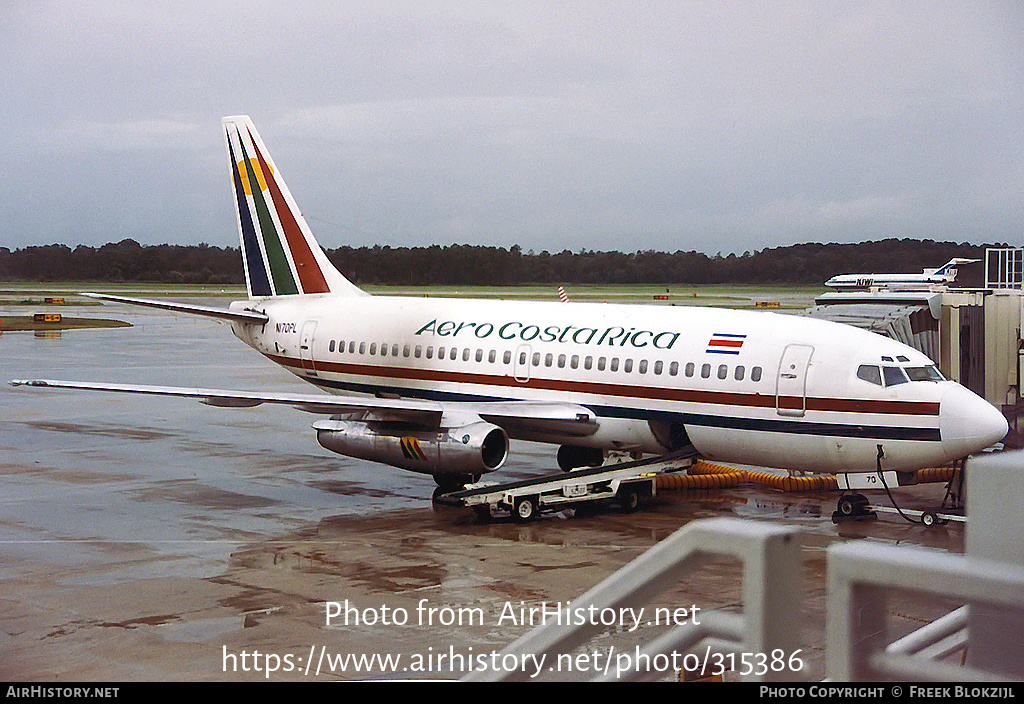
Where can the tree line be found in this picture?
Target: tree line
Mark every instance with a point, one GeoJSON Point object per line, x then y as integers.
{"type": "Point", "coordinates": [478, 265]}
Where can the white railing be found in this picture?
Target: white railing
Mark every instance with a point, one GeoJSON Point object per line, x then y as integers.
{"type": "Point", "coordinates": [862, 579]}
{"type": "Point", "coordinates": [770, 558]}
{"type": "Point", "coordinates": [863, 576]}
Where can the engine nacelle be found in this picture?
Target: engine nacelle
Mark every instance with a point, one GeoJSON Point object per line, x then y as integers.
{"type": "Point", "coordinates": [472, 449]}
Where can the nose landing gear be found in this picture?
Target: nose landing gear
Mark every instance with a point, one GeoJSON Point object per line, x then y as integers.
{"type": "Point", "coordinates": [853, 507]}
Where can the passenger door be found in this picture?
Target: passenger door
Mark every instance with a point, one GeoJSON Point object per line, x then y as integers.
{"type": "Point", "coordinates": [306, 346]}
{"type": "Point", "coordinates": [791, 383]}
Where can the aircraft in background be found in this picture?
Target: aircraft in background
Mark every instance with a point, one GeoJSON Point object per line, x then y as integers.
{"type": "Point", "coordinates": [945, 274]}
{"type": "Point", "coordinates": [440, 386]}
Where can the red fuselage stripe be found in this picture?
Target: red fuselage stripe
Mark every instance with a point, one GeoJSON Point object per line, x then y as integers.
{"type": "Point", "coordinates": [641, 393]}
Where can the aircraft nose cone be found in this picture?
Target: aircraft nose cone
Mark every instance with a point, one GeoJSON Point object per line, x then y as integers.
{"type": "Point", "coordinates": [968, 423]}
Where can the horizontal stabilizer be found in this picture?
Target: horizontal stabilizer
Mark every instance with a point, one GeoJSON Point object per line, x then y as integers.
{"type": "Point", "coordinates": [244, 316]}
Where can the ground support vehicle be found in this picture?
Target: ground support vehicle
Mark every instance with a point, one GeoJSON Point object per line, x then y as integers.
{"type": "Point", "coordinates": [626, 483]}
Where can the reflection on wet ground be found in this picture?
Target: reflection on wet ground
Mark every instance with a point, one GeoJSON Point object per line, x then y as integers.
{"type": "Point", "coordinates": [153, 538]}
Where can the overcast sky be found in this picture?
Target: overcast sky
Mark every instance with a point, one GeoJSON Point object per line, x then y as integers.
{"type": "Point", "coordinates": [717, 126]}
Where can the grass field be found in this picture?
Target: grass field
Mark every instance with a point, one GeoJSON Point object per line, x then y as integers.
{"type": "Point", "coordinates": [723, 296]}
{"type": "Point", "coordinates": [25, 323]}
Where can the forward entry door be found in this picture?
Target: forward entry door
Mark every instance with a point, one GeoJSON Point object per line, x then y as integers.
{"type": "Point", "coordinates": [791, 383]}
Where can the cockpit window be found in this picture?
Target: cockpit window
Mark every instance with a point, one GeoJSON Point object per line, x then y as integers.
{"type": "Point", "coordinates": [870, 373]}
{"type": "Point", "coordinates": [893, 376]}
{"type": "Point", "coordinates": [929, 373]}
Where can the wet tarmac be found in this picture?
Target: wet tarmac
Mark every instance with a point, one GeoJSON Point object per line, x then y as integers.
{"type": "Point", "coordinates": [160, 539]}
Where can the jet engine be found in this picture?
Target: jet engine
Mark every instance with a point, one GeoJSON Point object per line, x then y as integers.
{"type": "Point", "coordinates": [472, 449]}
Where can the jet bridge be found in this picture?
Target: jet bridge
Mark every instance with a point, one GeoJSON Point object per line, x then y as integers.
{"type": "Point", "coordinates": [911, 317]}
{"type": "Point", "coordinates": [974, 335]}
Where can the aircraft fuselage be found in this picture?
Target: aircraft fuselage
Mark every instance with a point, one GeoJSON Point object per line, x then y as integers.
{"type": "Point", "coordinates": [748, 387]}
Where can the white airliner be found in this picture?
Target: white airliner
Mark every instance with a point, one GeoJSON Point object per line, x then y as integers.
{"type": "Point", "coordinates": [439, 386]}
{"type": "Point", "coordinates": [945, 274]}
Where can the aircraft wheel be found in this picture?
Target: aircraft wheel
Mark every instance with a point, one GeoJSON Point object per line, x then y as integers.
{"type": "Point", "coordinates": [447, 483]}
{"type": "Point", "coordinates": [525, 509]}
{"type": "Point", "coordinates": [629, 500]}
{"type": "Point", "coordinates": [930, 519]}
{"type": "Point", "coordinates": [852, 505]}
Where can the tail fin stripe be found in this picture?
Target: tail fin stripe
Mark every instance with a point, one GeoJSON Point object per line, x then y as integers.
{"type": "Point", "coordinates": [280, 254]}
{"type": "Point", "coordinates": [311, 279]}
{"type": "Point", "coordinates": [280, 269]}
{"type": "Point", "coordinates": [255, 269]}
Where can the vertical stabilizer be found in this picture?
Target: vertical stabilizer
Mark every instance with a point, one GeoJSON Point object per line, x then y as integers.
{"type": "Point", "coordinates": [280, 255]}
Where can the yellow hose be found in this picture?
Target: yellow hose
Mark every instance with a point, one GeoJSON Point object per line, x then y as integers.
{"type": "Point", "coordinates": [707, 475]}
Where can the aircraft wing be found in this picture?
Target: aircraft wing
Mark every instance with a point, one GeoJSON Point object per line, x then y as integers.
{"type": "Point", "coordinates": [535, 416]}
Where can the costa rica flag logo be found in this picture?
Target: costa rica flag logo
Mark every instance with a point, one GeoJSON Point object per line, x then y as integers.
{"type": "Point", "coordinates": [725, 343]}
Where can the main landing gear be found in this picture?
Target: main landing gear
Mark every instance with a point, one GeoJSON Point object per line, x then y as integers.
{"type": "Point", "coordinates": [447, 483]}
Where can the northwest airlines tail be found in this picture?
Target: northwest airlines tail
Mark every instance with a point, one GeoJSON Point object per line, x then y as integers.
{"type": "Point", "coordinates": [280, 255]}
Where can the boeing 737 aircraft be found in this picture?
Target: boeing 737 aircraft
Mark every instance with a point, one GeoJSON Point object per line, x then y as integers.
{"type": "Point", "coordinates": [945, 274]}
{"type": "Point", "coordinates": [439, 386]}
